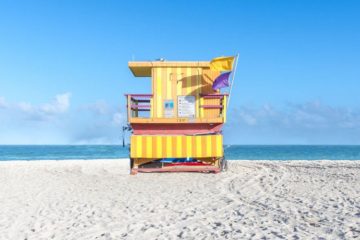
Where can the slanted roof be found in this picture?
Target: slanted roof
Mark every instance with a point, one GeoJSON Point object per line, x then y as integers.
{"type": "Point", "coordinates": [143, 69]}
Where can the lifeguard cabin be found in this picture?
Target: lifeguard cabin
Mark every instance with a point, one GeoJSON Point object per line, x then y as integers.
{"type": "Point", "coordinates": [177, 126]}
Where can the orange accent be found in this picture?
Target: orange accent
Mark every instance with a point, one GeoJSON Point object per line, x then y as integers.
{"type": "Point", "coordinates": [163, 146]}
{"type": "Point", "coordinates": [213, 144]}
{"type": "Point", "coordinates": [143, 141]}
{"type": "Point", "coordinates": [203, 146]}
{"type": "Point", "coordinates": [183, 146]}
{"type": "Point", "coordinates": [174, 145]}
{"type": "Point", "coordinates": [193, 143]}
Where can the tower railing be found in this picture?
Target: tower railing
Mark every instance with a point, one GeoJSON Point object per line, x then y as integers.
{"type": "Point", "coordinates": [137, 104]}
{"type": "Point", "coordinates": [212, 107]}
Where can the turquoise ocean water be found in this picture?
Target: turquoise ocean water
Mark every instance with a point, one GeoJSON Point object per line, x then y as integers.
{"type": "Point", "coordinates": [234, 152]}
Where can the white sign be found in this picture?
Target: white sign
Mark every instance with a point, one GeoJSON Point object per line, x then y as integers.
{"type": "Point", "coordinates": [186, 106]}
{"type": "Point", "coordinates": [168, 108]}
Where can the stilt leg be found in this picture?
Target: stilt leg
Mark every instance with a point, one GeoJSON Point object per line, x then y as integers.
{"type": "Point", "coordinates": [133, 171]}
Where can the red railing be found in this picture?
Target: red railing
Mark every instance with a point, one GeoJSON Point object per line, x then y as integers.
{"type": "Point", "coordinates": [215, 101]}
{"type": "Point", "coordinates": [137, 103]}
{"type": "Point", "coordinates": [211, 105]}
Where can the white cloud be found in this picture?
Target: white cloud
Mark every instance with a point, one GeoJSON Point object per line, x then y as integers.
{"type": "Point", "coordinates": [27, 123]}
{"type": "Point", "coordinates": [60, 104]}
{"type": "Point", "coordinates": [100, 123]}
{"type": "Point", "coordinates": [307, 115]}
{"type": "Point", "coordinates": [2, 102]}
{"type": "Point", "coordinates": [25, 107]}
{"type": "Point", "coordinates": [118, 119]}
{"type": "Point", "coordinates": [309, 123]}
{"type": "Point", "coordinates": [98, 108]}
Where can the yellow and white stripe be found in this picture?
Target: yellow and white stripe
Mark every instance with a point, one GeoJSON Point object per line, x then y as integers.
{"type": "Point", "coordinates": [148, 146]}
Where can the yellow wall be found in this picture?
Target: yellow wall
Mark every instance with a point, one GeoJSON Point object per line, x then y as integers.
{"type": "Point", "coordinates": [147, 146]}
{"type": "Point", "coordinates": [170, 82]}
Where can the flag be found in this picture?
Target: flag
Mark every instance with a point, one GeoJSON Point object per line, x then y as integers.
{"type": "Point", "coordinates": [221, 81]}
{"type": "Point", "coordinates": [222, 63]}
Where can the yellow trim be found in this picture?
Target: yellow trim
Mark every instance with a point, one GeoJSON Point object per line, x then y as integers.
{"type": "Point", "coordinates": [219, 141]}
{"type": "Point", "coordinates": [158, 147]}
{"type": "Point", "coordinates": [198, 146]}
{"type": "Point", "coordinates": [138, 143]}
{"type": "Point", "coordinates": [178, 147]}
{"type": "Point", "coordinates": [148, 145]}
{"type": "Point", "coordinates": [168, 146]}
{"type": "Point", "coordinates": [189, 147]}
{"type": "Point", "coordinates": [208, 145]}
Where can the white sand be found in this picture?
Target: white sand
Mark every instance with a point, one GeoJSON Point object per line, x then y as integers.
{"type": "Point", "coordinates": [254, 199]}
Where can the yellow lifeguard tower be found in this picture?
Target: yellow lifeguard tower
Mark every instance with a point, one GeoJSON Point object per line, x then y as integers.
{"type": "Point", "coordinates": [177, 127]}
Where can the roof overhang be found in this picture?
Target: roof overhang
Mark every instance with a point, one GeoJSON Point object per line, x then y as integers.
{"type": "Point", "coordinates": [143, 69]}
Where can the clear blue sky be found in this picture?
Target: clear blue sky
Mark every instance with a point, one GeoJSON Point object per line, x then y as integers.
{"type": "Point", "coordinates": [63, 66]}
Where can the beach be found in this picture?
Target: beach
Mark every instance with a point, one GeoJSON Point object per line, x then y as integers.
{"type": "Point", "coordinates": [98, 199]}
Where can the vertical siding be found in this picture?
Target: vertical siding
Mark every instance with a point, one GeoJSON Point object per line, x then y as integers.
{"type": "Point", "coordinates": [168, 83]}
{"type": "Point", "coordinates": [208, 77]}
{"type": "Point", "coordinates": [158, 93]}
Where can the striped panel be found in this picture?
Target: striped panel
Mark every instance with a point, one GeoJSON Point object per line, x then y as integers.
{"type": "Point", "coordinates": [171, 82]}
{"type": "Point", "coordinates": [146, 146]}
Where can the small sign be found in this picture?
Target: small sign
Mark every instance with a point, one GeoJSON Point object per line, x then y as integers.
{"type": "Point", "coordinates": [169, 108]}
{"type": "Point", "coordinates": [186, 106]}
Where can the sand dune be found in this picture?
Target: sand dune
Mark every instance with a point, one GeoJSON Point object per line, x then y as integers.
{"type": "Point", "coordinates": [252, 200]}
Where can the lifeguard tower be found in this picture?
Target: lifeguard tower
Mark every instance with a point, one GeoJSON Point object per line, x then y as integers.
{"type": "Point", "coordinates": [177, 127]}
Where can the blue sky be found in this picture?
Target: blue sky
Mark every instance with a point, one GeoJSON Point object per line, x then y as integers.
{"type": "Point", "coordinates": [63, 66]}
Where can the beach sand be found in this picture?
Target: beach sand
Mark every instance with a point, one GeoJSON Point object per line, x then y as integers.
{"type": "Point", "coordinates": [252, 200]}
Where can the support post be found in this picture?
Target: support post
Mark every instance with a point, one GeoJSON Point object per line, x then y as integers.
{"type": "Point", "coordinates": [129, 107]}
{"type": "Point", "coordinates": [233, 78]}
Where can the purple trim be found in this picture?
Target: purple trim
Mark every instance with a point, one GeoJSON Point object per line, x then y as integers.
{"type": "Point", "coordinates": [213, 97]}
{"type": "Point", "coordinates": [219, 95]}
{"type": "Point", "coordinates": [140, 106]}
{"type": "Point", "coordinates": [211, 106]}
{"type": "Point", "coordinates": [141, 100]}
{"type": "Point", "coordinates": [140, 110]}
{"type": "Point", "coordinates": [138, 95]}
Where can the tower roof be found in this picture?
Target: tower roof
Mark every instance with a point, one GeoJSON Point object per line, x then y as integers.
{"type": "Point", "coordinates": [143, 69]}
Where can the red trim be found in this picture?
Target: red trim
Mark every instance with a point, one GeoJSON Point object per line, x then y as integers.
{"type": "Point", "coordinates": [141, 100]}
{"type": "Point", "coordinates": [179, 169]}
{"type": "Point", "coordinates": [211, 106]}
{"type": "Point", "coordinates": [216, 95]}
{"type": "Point", "coordinates": [175, 129]}
{"type": "Point", "coordinates": [187, 164]}
{"type": "Point", "coordinates": [138, 95]}
{"type": "Point", "coordinates": [140, 106]}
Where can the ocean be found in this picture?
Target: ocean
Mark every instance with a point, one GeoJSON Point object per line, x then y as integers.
{"type": "Point", "coordinates": [233, 152]}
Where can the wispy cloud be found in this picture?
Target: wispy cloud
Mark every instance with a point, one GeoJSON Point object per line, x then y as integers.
{"type": "Point", "coordinates": [310, 122]}
{"type": "Point", "coordinates": [56, 123]}
{"type": "Point", "coordinates": [96, 123]}
{"type": "Point", "coordinates": [43, 112]}
{"type": "Point", "coordinates": [100, 123]}
{"type": "Point", "coordinates": [100, 107]}
{"type": "Point", "coordinates": [2, 102]}
{"type": "Point", "coordinates": [60, 104]}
